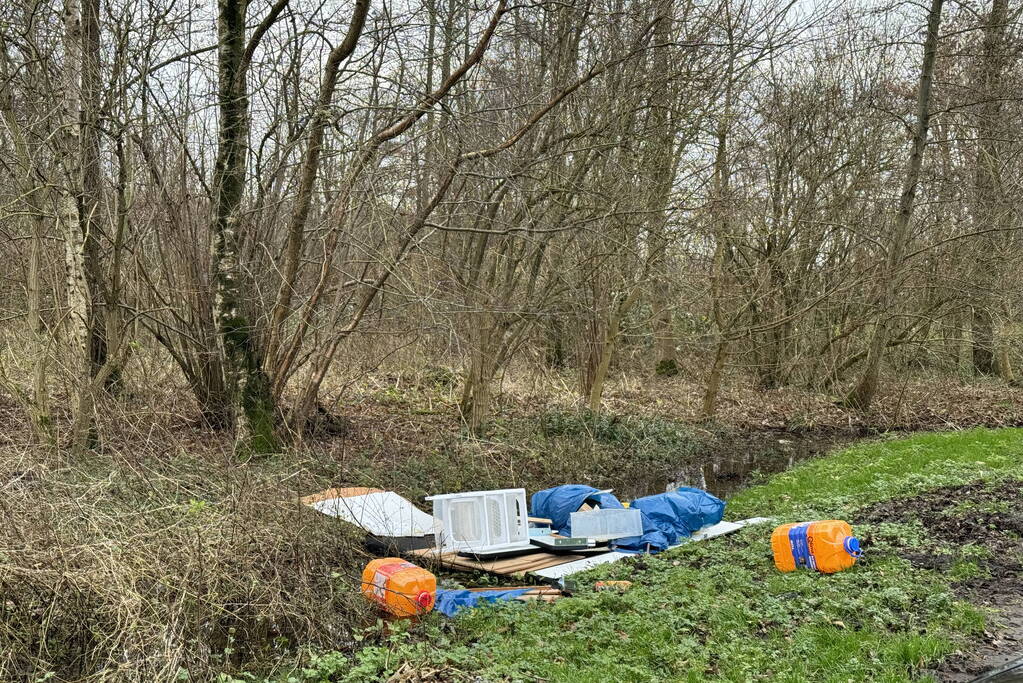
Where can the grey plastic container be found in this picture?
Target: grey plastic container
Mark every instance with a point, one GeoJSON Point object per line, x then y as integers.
{"type": "Point", "coordinates": [607, 524]}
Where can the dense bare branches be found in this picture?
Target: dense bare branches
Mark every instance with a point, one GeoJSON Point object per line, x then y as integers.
{"type": "Point", "coordinates": [705, 187]}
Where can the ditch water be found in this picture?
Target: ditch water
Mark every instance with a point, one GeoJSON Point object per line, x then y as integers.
{"type": "Point", "coordinates": [741, 462]}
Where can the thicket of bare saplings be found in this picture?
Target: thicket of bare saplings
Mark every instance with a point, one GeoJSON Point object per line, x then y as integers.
{"type": "Point", "coordinates": [795, 191]}
{"type": "Point", "coordinates": [255, 202]}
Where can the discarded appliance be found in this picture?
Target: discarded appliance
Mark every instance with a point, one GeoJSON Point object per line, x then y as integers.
{"type": "Point", "coordinates": [827, 546]}
{"type": "Point", "coordinates": [383, 514]}
{"type": "Point", "coordinates": [607, 524]}
{"type": "Point", "coordinates": [482, 522]}
{"type": "Point", "coordinates": [400, 587]}
{"type": "Point", "coordinates": [555, 543]}
{"type": "Point", "coordinates": [452, 601]}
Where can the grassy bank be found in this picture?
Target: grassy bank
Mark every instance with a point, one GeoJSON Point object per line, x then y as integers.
{"type": "Point", "coordinates": [720, 611]}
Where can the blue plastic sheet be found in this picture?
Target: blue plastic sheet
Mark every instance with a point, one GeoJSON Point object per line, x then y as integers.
{"type": "Point", "coordinates": [667, 517]}
{"type": "Point", "coordinates": [558, 503]}
{"type": "Point", "coordinates": [670, 517]}
{"type": "Point", "coordinates": [450, 602]}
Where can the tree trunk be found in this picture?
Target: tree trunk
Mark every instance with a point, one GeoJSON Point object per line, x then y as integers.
{"type": "Point", "coordinates": [1004, 356]}
{"type": "Point", "coordinates": [79, 297]}
{"type": "Point", "coordinates": [661, 161]}
{"type": "Point", "coordinates": [607, 349]}
{"type": "Point", "coordinates": [38, 401]}
{"type": "Point", "coordinates": [991, 211]}
{"type": "Point", "coordinates": [722, 244]}
{"type": "Point", "coordinates": [610, 343]}
{"type": "Point", "coordinates": [983, 337]}
{"type": "Point", "coordinates": [78, 322]}
{"type": "Point", "coordinates": [252, 401]}
{"type": "Point", "coordinates": [862, 395]}
{"type": "Point", "coordinates": [91, 190]}
{"type": "Point", "coordinates": [713, 385]}
{"type": "Point", "coordinates": [476, 393]}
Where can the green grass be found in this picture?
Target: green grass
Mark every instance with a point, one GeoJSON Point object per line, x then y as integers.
{"type": "Point", "coordinates": [719, 610]}
{"type": "Point", "coordinates": [881, 470]}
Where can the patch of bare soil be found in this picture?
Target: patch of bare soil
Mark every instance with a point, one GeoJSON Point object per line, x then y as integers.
{"type": "Point", "coordinates": [982, 514]}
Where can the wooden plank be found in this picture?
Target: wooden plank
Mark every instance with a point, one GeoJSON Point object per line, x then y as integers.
{"type": "Point", "coordinates": [533, 590]}
{"type": "Point", "coordinates": [505, 567]}
{"type": "Point", "coordinates": [337, 493]}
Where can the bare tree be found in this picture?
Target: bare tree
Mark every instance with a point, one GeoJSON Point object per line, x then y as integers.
{"type": "Point", "coordinates": [862, 394]}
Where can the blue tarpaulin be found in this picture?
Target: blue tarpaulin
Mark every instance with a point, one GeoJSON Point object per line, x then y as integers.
{"type": "Point", "coordinates": [667, 517]}
{"type": "Point", "coordinates": [673, 515]}
{"type": "Point", "coordinates": [558, 503]}
{"type": "Point", "coordinates": [451, 602]}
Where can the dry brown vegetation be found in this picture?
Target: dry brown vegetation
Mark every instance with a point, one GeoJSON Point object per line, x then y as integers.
{"type": "Point", "coordinates": [163, 556]}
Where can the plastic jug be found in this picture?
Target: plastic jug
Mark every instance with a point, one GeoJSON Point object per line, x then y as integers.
{"type": "Point", "coordinates": [400, 587]}
{"type": "Point", "coordinates": [827, 546]}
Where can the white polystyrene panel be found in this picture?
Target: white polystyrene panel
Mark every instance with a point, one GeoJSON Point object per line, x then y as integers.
{"type": "Point", "coordinates": [381, 514]}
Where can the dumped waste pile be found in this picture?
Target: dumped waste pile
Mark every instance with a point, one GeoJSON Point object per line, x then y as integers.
{"type": "Point", "coordinates": [564, 530]}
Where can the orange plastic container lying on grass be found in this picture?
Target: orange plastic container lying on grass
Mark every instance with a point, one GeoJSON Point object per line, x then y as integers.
{"type": "Point", "coordinates": [400, 587]}
{"type": "Point", "coordinates": [827, 546]}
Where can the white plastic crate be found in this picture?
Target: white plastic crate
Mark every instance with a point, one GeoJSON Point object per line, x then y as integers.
{"type": "Point", "coordinates": [482, 521]}
{"type": "Point", "coordinates": [607, 523]}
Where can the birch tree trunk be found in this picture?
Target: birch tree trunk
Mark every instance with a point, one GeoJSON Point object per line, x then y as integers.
{"type": "Point", "coordinates": [70, 223]}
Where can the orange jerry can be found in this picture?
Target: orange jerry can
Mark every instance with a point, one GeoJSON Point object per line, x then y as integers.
{"type": "Point", "coordinates": [827, 546]}
{"type": "Point", "coordinates": [400, 587]}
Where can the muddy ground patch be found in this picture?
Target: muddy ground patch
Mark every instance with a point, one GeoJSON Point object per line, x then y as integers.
{"type": "Point", "coordinates": [974, 534]}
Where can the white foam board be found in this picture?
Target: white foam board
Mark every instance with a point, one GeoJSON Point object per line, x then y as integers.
{"type": "Point", "coordinates": [720, 529]}
{"type": "Point", "coordinates": [569, 568]}
{"type": "Point", "coordinates": [381, 514]}
{"type": "Point", "coordinates": [711, 531]}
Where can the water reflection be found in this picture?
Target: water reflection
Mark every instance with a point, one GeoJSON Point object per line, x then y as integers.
{"type": "Point", "coordinates": [758, 455]}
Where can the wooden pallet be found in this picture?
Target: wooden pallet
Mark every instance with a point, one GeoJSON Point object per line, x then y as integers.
{"type": "Point", "coordinates": [508, 566]}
